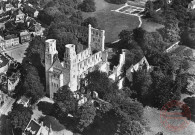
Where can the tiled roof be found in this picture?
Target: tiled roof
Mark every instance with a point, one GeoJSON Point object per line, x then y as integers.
{"type": "Point", "coordinates": [3, 61]}
{"type": "Point", "coordinates": [24, 99]}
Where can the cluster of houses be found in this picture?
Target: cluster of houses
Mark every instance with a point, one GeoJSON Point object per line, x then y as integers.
{"type": "Point", "coordinates": [19, 13]}
{"type": "Point", "coordinates": [17, 27]}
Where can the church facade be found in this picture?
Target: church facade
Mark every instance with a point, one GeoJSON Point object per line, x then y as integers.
{"type": "Point", "coordinates": [75, 66]}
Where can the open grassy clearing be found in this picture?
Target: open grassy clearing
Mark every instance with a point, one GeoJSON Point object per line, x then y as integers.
{"type": "Point", "coordinates": [112, 22]}
{"type": "Point", "coordinates": [151, 26]}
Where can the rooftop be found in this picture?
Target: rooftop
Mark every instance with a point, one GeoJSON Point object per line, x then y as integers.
{"type": "Point", "coordinates": [3, 61]}
{"type": "Point", "coordinates": [33, 127]}
{"type": "Point", "coordinates": [24, 33]}
{"type": "Point", "coordinates": [10, 37]}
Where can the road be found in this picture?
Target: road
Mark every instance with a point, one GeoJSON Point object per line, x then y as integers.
{"type": "Point", "coordinates": [17, 52]}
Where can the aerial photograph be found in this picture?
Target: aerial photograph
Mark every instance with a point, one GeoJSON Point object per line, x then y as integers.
{"type": "Point", "coordinates": [97, 67]}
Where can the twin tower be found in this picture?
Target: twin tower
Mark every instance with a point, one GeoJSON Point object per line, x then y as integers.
{"type": "Point", "coordinates": [75, 66]}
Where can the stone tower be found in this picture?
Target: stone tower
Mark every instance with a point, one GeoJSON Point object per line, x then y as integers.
{"type": "Point", "coordinates": [70, 65]}
{"type": "Point", "coordinates": [96, 39]}
{"type": "Point", "coordinates": [50, 53]}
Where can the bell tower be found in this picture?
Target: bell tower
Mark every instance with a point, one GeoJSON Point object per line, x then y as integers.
{"type": "Point", "coordinates": [70, 65]}
{"type": "Point", "coordinates": [50, 52]}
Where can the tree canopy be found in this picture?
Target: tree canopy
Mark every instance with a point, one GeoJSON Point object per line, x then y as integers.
{"type": "Point", "coordinates": [20, 117]}
{"type": "Point", "coordinates": [87, 6]}
{"type": "Point", "coordinates": [116, 1]}
{"type": "Point", "coordinates": [66, 100]}
{"type": "Point", "coordinates": [92, 21]}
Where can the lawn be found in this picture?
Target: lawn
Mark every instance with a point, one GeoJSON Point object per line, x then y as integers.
{"type": "Point", "coordinates": [151, 26]}
{"type": "Point", "coordinates": [112, 22]}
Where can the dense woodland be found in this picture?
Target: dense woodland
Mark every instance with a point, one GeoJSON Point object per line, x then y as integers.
{"type": "Point", "coordinates": [120, 112]}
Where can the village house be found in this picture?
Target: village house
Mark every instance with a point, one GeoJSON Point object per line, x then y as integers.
{"type": "Point", "coordinates": [11, 40]}
{"type": "Point", "coordinates": [191, 5]}
{"type": "Point", "coordinates": [32, 12]}
{"type": "Point", "coordinates": [25, 36]}
{"type": "Point", "coordinates": [24, 101]}
{"type": "Point", "coordinates": [20, 16]}
{"type": "Point", "coordinates": [8, 7]}
{"type": "Point", "coordinates": [4, 63]}
{"type": "Point", "coordinates": [34, 128]}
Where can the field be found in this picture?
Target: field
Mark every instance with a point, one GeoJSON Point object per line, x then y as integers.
{"type": "Point", "coordinates": [112, 22]}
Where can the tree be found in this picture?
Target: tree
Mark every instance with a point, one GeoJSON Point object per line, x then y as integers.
{"type": "Point", "coordinates": [149, 8]}
{"type": "Point", "coordinates": [188, 38]}
{"type": "Point", "coordinates": [32, 85]}
{"type": "Point", "coordinates": [130, 128]}
{"type": "Point", "coordinates": [126, 35]}
{"type": "Point", "coordinates": [99, 82]}
{"type": "Point", "coordinates": [86, 114]}
{"type": "Point", "coordinates": [66, 100]}
{"type": "Point", "coordinates": [20, 117]}
{"type": "Point", "coordinates": [92, 21]}
{"type": "Point", "coordinates": [88, 6]}
{"type": "Point", "coordinates": [112, 123]}
{"type": "Point", "coordinates": [141, 84]}
{"type": "Point", "coordinates": [45, 107]}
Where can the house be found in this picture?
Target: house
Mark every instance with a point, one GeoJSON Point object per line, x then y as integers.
{"type": "Point", "coordinates": [12, 81]}
{"type": "Point", "coordinates": [8, 7]}
{"type": "Point", "coordinates": [5, 103]}
{"type": "Point", "coordinates": [34, 128]}
{"type": "Point", "coordinates": [191, 5]}
{"type": "Point", "coordinates": [32, 12]}
{"type": "Point", "coordinates": [4, 64]}
{"type": "Point", "coordinates": [11, 40]}
{"type": "Point", "coordinates": [19, 17]}
{"type": "Point", "coordinates": [35, 28]}
{"type": "Point", "coordinates": [25, 36]}
{"type": "Point", "coordinates": [3, 98]}
{"type": "Point", "coordinates": [24, 101]}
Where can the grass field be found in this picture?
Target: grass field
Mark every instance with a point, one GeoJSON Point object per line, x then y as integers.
{"type": "Point", "coordinates": [112, 22]}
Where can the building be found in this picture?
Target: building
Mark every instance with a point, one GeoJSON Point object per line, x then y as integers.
{"type": "Point", "coordinates": [117, 73]}
{"type": "Point", "coordinates": [10, 41]}
{"type": "Point", "coordinates": [75, 66]}
{"type": "Point", "coordinates": [8, 7]}
{"type": "Point", "coordinates": [25, 37]}
{"type": "Point", "coordinates": [142, 64]}
{"type": "Point", "coordinates": [4, 64]}
{"type": "Point", "coordinates": [6, 103]}
{"type": "Point", "coordinates": [191, 5]}
{"type": "Point", "coordinates": [20, 16]}
{"type": "Point", "coordinates": [24, 101]}
{"type": "Point", "coordinates": [34, 128]}
{"type": "Point", "coordinates": [32, 12]}
{"type": "Point", "coordinates": [35, 28]}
